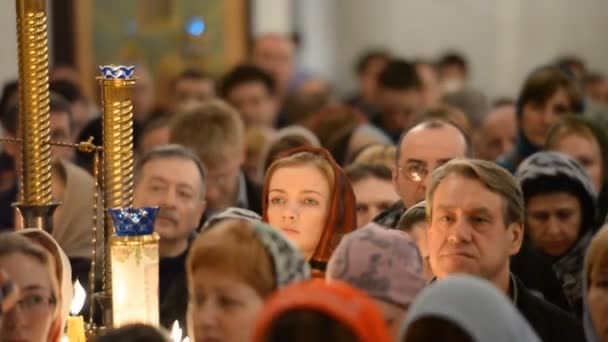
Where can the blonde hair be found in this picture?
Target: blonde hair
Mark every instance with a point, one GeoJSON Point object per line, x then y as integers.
{"type": "Point", "coordinates": [232, 246]}
{"type": "Point", "coordinates": [568, 126]}
{"type": "Point", "coordinates": [597, 253]}
{"type": "Point", "coordinates": [300, 159]}
{"type": "Point", "coordinates": [212, 129]}
{"type": "Point", "coordinates": [377, 154]}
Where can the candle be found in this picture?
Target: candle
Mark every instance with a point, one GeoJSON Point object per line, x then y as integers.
{"type": "Point", "coordinates": [75, 324]}
{"type": "Point", "coordinates": [76, 329]}
{"type": "Point", "coordinates": [176, 332]}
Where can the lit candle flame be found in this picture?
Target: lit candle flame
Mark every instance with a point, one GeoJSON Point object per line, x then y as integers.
{"type": "Point", "coordinates": [65, 339]}
{"type": "Point", "coordinates": [176, 332]}
{"type": "Point", "coordinates": [79, 297]}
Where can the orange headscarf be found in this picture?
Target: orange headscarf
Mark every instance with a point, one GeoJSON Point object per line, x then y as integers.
{"type": "Point", "coordinates": [349, 306]}
{"type": "Point", "coordinates": [342, 217]}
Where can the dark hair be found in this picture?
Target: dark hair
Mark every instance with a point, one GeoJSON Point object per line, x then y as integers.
{"type": "Point", "coordinates": [358, 172]}
{"type": "Point", "coordinates": [133, 333]}
{"type": "Point", "coordinates": [436, 329]}
{"type": "Point", "coordinates": [172, 151]}
{"type": "Point", "coordinates": [367, 57]}
{"type": "Point", "coordinates": [411, 217]}
{"type": "Point", "coordinates": [156, 120]}
{"type": "Point", "coordinates": [593, 78]}
{"type": "Point", "coordinates": [561, 183]}
{"type": "Point", "coordinates": [306, 325]}
{"type": "Point", "coordinates": [57, 104]}
{"type": "Point", "coordinates": [243, 74]}
{"type": "Point", "coordinates": [67, 89]}
{"type": "Point", "coordinates": [399, 74]}
{"type": "Point", "coordinates": [543, 83]}
{"type": "Point", "coordinates": [454, 58]}
{"type": "Point", "coordinates": [9, 89]}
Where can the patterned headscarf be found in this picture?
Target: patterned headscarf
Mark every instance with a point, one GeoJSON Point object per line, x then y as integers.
{"type": "Point", "coordinates": [289, 264]}
{"type": "Point", "coordinates": [385, 263]}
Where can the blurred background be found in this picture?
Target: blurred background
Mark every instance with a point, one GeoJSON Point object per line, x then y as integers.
{"type": "Point", "coordinates": [502, 40]}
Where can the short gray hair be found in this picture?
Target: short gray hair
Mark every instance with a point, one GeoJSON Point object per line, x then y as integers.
{"type": "Point", "coordinates": [494, 178]}
{"type": "Point", "coordinates": [172, 151]}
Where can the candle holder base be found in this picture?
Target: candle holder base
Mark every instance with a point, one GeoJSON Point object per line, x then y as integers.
{"type": "Point", "coordinates": [37, 216]}
{"type": "Point", "coordinates": [92, 331]}
{"type": "Point", "coordinates": [105, 301]}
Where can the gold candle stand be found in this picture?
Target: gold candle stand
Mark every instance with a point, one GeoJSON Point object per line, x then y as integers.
{"type": "Point", "coordinates": [117, 116]}
{"type": "Point", "coordinates": [34, 117]}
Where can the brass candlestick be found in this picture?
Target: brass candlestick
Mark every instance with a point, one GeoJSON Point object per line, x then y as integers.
{"type": "Point", "coordinates": [34, 117]}
{"type": "Point", "coordinates": [116, 89]}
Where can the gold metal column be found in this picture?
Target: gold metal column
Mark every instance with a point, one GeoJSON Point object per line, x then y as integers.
{"type": "Point", "coordinates": [117, 117]}
{"type": "Point", "coordinates": [34, 117]}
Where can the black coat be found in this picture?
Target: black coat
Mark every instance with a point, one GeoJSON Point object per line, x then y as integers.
{"type": "Point", "coordinates": [550, 322]}
{"type": "Point", "coordinates": [536, 274]}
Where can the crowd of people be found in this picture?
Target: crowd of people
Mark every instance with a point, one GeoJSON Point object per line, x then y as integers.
{"type": "Point", "coordinates": [417, 209]}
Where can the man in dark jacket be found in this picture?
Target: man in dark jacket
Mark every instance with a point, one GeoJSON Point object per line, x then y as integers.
{"type": "Point", "coordinates": [421, 149]}
{"type": "Point", "coordinates": [174, 179]}
{"type": "Point", "coordinates": [476, 215]}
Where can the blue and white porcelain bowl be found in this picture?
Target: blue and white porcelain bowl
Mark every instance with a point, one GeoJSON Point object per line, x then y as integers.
{"type": "Point", "coordinates": [133, 221]}
{"type": "Point", "coordinates": [117, 72]}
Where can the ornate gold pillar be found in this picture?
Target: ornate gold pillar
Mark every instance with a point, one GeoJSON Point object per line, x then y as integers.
{"type": "Point", "coordinates": [34, 117]}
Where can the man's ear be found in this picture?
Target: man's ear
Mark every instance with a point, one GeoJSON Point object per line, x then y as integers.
{"type": "Point", "coordinates": [516, 236]}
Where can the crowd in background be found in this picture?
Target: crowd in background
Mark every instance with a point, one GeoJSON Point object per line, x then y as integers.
{"type": "Point", "coordinates": [415, 209]}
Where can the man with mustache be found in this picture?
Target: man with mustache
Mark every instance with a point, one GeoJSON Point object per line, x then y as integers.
{"type": "Point", "coordinates": [174, 179]}
{"type": "Point", "coordinates": [475, 212]}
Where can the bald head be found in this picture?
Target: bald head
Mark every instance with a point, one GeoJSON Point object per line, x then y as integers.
{"type": "Point", "coordinates": [275, 53]}
{"type": "Point", "coordinates": [421, 150]}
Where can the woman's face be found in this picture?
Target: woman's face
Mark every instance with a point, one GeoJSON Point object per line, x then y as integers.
{"type": "Point", "coordinates": [553, 222]}
{"type": "Point", "coordinates": [585, 151]}
{"type": "Point", "coordinates": [597, 297]}
{"type": "Point", "coordinates": [34, 318]}
{"type": "Point", "coordinates": [221, 307]}
{"type": "Point", "coordinates": [298, 204]}
{"type": "Point", "coordinates": [538, 118]}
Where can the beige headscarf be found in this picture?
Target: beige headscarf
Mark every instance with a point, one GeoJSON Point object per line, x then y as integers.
{"type": "Point", "coordinates": [73, 219]}
{"type": "Point", "coordinates": [64, 270]}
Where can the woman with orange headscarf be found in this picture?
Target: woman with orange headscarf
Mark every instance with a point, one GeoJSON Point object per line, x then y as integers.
{"type": "Point", "coordinates": [308, 197]}
{"type": "Point", "coordinates": [320, 311]}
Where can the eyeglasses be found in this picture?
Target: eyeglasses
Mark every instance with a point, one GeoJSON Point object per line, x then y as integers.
{"type": "Point", "coordinates": [414, 172]}
{"type": "Point", "coordinates": [36, 304]}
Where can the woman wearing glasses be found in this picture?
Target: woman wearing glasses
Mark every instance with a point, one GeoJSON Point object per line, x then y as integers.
{"type": "Point", "coordinates": [36, 316]}
{"type": "Point", "coordinates": [309, 199]}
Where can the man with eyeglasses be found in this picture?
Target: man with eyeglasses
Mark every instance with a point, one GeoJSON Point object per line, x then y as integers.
{"type": "Point", "coordinates": [421, 149]}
